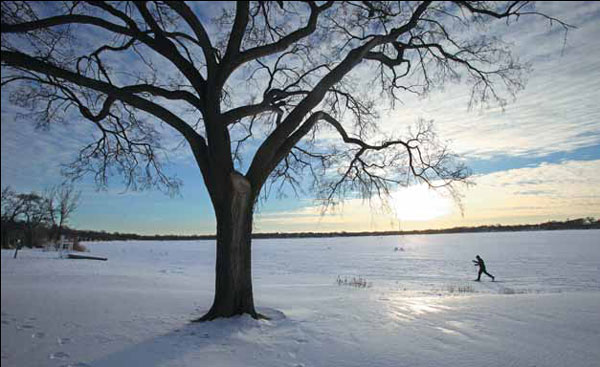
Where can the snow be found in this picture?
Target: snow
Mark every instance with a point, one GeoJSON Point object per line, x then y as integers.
{"type": "Point", "coordinates": [421, 307]}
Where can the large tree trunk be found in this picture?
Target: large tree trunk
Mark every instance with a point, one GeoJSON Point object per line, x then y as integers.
{"type": "Point", "coordinates": [233, 284]}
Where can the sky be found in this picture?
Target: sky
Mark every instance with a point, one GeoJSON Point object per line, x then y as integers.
{"type": "Point", "coordinates": [536, 159]}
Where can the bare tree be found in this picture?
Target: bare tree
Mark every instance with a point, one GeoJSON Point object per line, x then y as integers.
{"type": "Point", "coordinates": [12, 208]}
{"type": "Point", "coordinates": [34, 213]}
{"type": "Point", "coordinates": [61, 203]}
{"type": "Point", "coordinates": [295, 86]}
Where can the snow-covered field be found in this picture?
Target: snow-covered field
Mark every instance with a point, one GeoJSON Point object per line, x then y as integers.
{"type": "Point", "coordinates": [421, 306]}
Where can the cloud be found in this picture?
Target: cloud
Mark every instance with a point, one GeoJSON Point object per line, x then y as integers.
{"type": "Point", "coordinates": [524, 195]}
{"type": "Point", "coordinates": [32, 157]}
{"type": "Point", "coordinates": [551, 191]}
{"type": "Point", "coordinates": [558, 110]}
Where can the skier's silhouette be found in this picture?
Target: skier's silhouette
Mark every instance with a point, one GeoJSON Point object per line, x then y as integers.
{"type": "Point", "coordinates": [479, 262]}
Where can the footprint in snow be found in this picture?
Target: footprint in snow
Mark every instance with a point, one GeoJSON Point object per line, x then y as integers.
{"type": "Point", "coordinates": [38, 335]}
{"type": "Point", "coordinates": [76, 364]}
{"type": "Point", "coordinates": [63, 341]}
{"type": "Point", "coordinates": [59, 355]}
{"type": "Point", "coordinates": [26, 326]}
{"type": "Point", "coordinates": [103, 339]}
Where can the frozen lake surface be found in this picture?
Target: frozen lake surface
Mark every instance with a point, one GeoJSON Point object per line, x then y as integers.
{"type": "Point", "coordinates": [421, 306]}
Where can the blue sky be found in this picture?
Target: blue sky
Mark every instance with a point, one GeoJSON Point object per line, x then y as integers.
{"type": "Point", "coordinates": [537, 159]}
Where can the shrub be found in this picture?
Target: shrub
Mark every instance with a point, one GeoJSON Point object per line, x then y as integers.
{"type": "Point", "coordinates": [506, 290]}
{"type": "Point", "coordinates": [464, 288]}
{"type": "Point", "coordinates": [359, 282]}
{"type": "Point", "coordinates": [78, 246]}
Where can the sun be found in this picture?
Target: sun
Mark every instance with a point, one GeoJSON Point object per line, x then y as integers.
{"type": "Point", "coordinates": [419, 203]}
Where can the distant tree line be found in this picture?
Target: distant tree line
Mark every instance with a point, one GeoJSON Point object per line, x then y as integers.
{"type": "Point", "coordinates": [580, 223]}
{"type": "Point", "coordinates": [33, 219]}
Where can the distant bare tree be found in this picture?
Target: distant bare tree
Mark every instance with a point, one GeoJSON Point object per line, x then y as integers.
{"type": "Point", "coordinates": [298, 84]}
{"type": "Point", "coordinates": [12, 208]}
{"type": "Point", "coordinates": [62, 201]}
{"type": "Point", "coordinates": [34, 213]}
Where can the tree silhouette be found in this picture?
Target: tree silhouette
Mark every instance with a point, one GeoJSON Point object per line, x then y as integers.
{"type": "Point", "coordinates": [62, 201]}
{"type": "Point", "coordinates": [295, 86]}
{"type": "Point", "coordinates": [33, 214]}
{"type": "Point", "coordinates": [12, 210]}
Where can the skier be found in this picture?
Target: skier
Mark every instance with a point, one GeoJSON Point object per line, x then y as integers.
{"type": "Point", "coordinates": [479, 262]}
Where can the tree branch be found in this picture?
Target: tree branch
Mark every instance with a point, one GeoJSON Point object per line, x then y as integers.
{"type": "Point", "coordinates": [165, 48]}
{"type": "Point", "coordinates": [192, 20]}
{"type": "Point", "coordinates": [237, 31]}
{"type": "Point", "coordinates": [20, 60]}
{"type": "Point", "coordinates": [266, 155]}
{"type": "Point", "coordinates": [271, 48]}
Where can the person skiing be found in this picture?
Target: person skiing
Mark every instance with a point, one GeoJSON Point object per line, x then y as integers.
{"type": "Point", "coordinates": [479, 262]}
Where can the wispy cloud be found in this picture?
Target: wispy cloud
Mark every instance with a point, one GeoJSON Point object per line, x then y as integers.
{"type": "Point", "coordinates": [553, 190]}
{"type": "Point", "coordinates": [558, 110]}
{"type": "Point", "coordinates": [531, 194]}
{"type": "Point", "coordinates": [32, 157]}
